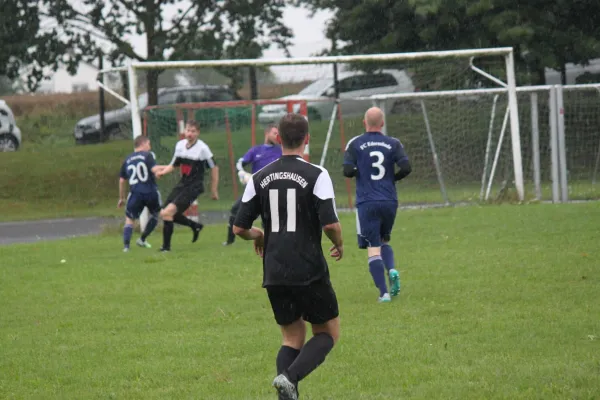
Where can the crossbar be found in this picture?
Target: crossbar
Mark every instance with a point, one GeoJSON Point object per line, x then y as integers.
{"type": "Point", "coordinates": [322, 60]}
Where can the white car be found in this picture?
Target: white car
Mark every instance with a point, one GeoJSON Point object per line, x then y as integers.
{"type": "Point", "coordinates": [10, 134]}
{"type": "Point", "coordinates": [351, 85]}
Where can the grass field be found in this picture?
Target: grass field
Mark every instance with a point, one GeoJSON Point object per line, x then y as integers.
{"type": "Point", "coordinates": [497, 302]}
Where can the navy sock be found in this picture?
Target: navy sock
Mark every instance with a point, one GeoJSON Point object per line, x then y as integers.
{"type": "Point", "coordinates": [167, 233]}
{"type": "Point", "coordinates": [378, 273]}
{"type": "Point", "coordinates": [127, 232]}
{"type": "Point", "coordinates": [387, 255]}
{"type": "Point", "coordinates": [152, 222]}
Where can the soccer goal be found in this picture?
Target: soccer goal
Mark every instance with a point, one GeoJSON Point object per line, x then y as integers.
{"type": "Point", "coordinates": [441, 105]}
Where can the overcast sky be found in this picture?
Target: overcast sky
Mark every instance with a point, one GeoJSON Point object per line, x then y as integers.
{"type": "Point", "coordinates": [309, 34]}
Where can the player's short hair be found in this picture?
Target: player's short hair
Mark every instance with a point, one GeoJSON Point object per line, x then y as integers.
{"type": "Point", "coordinates": [140, 141]}
{"type": "Point", "coordinates": [193, 124]}
{"type": "Point", "coordinates": [293, 129]}
{"type": "Point", "coordinates": [269, 127]}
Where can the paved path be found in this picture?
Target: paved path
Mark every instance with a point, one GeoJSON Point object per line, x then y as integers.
{"type": "Point", "coordinates": [53, 229]}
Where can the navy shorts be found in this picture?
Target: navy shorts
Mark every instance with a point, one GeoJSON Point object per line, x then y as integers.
{"type": "Point", "coordinates": [137, 201]}
{"type": "Point", "coordinates": [374, 222]}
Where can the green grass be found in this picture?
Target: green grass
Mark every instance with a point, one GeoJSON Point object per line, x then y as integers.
{"type": "Point", "coordinates": [497, 302]}
{"type": "Point", "coordinates": [61, 182]}
{"type": "Point", "coordinates": [45, 130]}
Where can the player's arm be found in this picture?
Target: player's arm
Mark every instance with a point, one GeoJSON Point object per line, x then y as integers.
{"type": "Point", "coordinates": [325, 205]}
{"type": "Point", "coordinates": [122, 183]}
{"type": "Point", "coordinates": [208, 158]}
{"type": "Point", "coordinates": [152, 166]}
{"type": "Point", "coordinates": [246, 160]}
{"type": "Point", "coordinates": [350, 168]}
{"type": "Point", "coordinates": [403, 163]}
{"type": "Point", "coordinates": [214, 180]}
{"type": "Point", "coordinates": [167, 169]}
{"type": "Point", "coordinates": [247, 214]}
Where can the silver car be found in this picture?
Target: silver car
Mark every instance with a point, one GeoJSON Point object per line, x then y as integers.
{"type": "Point", "coordinates": [351, 85]}
{"type": "Point", "coordinates": [10, 134]}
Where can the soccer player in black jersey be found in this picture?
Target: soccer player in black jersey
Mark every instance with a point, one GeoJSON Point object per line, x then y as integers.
{"type": "Point", "coordinates": [193, 156]}
{"type": "Point", "coordinates": [296, 202]}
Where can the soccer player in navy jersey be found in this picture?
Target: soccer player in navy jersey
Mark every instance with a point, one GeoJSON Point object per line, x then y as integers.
{"type": "Point", "coordinates": [138, 170]}
{"type": "Point", "coordinates": [372, 158]}
{"type": "Point", "coordinates": [258, 157]}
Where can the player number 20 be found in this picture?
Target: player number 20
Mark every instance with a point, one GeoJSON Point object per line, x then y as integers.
{"type": "Point", "coordinates": [139, 173]}
{"type": "Point", "coordinates": [377, 164]}
{"type": "Point", "coordinates": [291, 209]}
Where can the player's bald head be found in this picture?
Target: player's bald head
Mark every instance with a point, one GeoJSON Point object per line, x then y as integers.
{"type": "Point", "coordinates": [374, 119]}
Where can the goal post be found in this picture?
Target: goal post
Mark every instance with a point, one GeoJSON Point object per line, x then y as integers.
{"type": "Point", "coordinates": [318, 83]}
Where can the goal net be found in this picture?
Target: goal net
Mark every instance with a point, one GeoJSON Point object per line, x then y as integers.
{"type": "Point", "coordinates": [449, 109]}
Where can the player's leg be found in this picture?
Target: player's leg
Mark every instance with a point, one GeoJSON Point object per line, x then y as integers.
{"type": "Point", "coordinates": [369, 226]}
{"type": "Point", "coordinates": [387, 253]}
{"type": "Point", "coordinates": [293, 329]}
{"type": "Point", "coordinates": [320, 308]}
{"type": "Point", "coordinates": [167, 214]}
{"type": "Point", "coordinates": [132, 212]}
{"type": "Point", "coordinates": [185, 199]}
{"type": "Point", "coordinates": [127, 233]}
{"type": "Point", "coordinates": [234, 210]}
{"type": "Point", "coordinates": [153, 205]}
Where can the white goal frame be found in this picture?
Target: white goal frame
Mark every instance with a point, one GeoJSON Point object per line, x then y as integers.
{"type": "Point", "coordinates": [509, 87]}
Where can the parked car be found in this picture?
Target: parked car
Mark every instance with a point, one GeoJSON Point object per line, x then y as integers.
{"type": "Point", "coordinates": [351, 84]}
{"type": "Point", "coordinates": [10, 134]}
{"type": "Point", "coordinates": [118, 122]}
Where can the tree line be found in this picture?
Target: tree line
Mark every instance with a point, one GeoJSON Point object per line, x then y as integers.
{"type": "Point", "coordinates": [39, 36]}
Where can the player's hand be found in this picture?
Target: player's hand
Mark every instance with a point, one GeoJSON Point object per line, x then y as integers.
{"type": "Point", "coordinates": [120, 203]}
{"type": "Point", "coordinates": [336, 252]}
{"type": "Point", "coordinates": [214, 195]}
{"type": "Point", "coordinates": [259, 245]}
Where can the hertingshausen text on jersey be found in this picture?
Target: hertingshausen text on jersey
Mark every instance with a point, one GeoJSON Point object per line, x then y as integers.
{"type": "Point", "coordinates": [283, 175]}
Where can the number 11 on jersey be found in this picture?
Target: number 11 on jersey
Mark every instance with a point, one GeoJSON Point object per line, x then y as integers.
{"type": "Point", "coordinates": [290, 206]}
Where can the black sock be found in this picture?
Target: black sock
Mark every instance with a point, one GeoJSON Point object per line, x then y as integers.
{"type": "Point", "coordinates": [152, 222]}
{"type": "Point", "coordinates": [285, 358]}
{"type": "Point", "coordinates": [311, 356]}
{"type": "Point", "coordinates": [230, 235]}
{"type": "Point", "coordinates": [167, 233]}
{"type": "Point", "coordinates": [181, 219]}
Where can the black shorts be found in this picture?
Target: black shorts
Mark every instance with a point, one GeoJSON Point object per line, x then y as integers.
{"type": "Point", "coordinates": [183, 197]}
{"type": "Point", "coordinates": [315, 303]}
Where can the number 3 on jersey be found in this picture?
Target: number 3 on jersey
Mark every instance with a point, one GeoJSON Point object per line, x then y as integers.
{"type": "Point", "coordinates": [291, 209]}
{"type": "Point", "coordinates": [377, 164]}
{"type": "Point", "coordinates": [139, 173]}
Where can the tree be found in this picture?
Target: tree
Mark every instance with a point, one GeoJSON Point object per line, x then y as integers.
{"type": "Point", "coordinates": [552, 38]}
{"type": "Point", "coordinates": [560, 34]}
{"type": "Point", "coordinates": [200, 29]}
{"type": "Point", "coordinates": [26, 48]}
